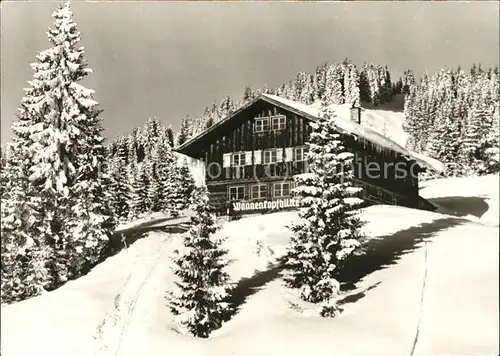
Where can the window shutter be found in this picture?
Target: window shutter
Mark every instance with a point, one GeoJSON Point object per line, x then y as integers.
{"type": "Point", "coordinates": [257, 157]}
{"type": "Point", "coordinates": [279, 155]}
{"type": "Point", "coordinates": [226, 160]}
{"type": "Point", "coordinates": [248, 158]}
{"type": "Point", "coordinates": [288, 154]}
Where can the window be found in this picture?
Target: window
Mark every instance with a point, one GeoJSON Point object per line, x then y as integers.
{"type": "Point", "coordinates": [282, 189]}
{"type": "Point", "coordinates": [271, 170]}
{"type": "Point", "coordinates": [239, 173]}
{"type": "Point", "coordinates": [259, 191]}
{"type": "Point", "coordinates": [300, 154]}
{"type": "Point", "coordinates": [278, 122]}
{"type": "Point", "coordinates": [270, 156]}
{"type": "Point", "coordinates": [237, 193]}
{"type": "Point", "coordinates": [238, 159]}
{"type": "Point", "coordinates": [261, 124]}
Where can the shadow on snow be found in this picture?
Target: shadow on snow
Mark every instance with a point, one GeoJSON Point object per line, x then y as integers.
{"type": "Point", "coordinates": [247, 287]}
{"type": "Point", "coordinates": [384, 251]}
{"type": "Point", "coordinates": [380, 252]}
{"type": "Point", "coordinates": [461, 206]}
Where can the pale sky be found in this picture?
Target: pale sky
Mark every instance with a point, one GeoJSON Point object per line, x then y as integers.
{"type": "Point", "coordinates": [169, 59]}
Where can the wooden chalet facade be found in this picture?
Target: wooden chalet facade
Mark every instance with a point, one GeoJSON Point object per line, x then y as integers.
{"type": "Point", "coordinates": [251, 156]}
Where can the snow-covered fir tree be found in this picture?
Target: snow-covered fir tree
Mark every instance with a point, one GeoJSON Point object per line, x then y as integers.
{"type": "Point", "coordinates": [328, 228]}
{"type": "Point", "coordinates": [135, 193]}
{"type": "Point", "coordinates": [156, 175]}
{"type": "Point", "coordinates": [133, 146]}
{"type": "Point", "coordinates": [248, 95]}
{"type": "Point", "coordinates": [408, 81]}
{"type": "Point", "coordinates": [164, 163]}
{"type": "Point", "coordinates": [451, 116]}
{"type": "Point", "coordinates": [333, 87]}
{"type": "Point", "coordinates": [319, 82]}
{"type": "Point", "coordinates": [139, 197]}
{"type": "Point", "coordinates": [3, 173]}
{"type": "Point", "coordinates": [303, 90]}
{"type": "Point", "coordinates": [152, 134]}
{"type": "Point", "coordinates": [387, 88]}
{"type": "Point", "coordinates": [208, 118]}
{"type": "Point", "coordinates": [472, 137]}
{"type": "Point", "coordinates": [120, 189]}
{"type": "Point", "coordinates": [397, 87]}
{"type": "Point", "coordinates": [225, 108]}
{"type": "Point", "coordinates": [60, 126]}
{"type": "Point", "coordinates": [179, 187]}
{"type": "Point", "coordinates": [170, 136]}
{"type": "Point", "coordinates": [183, 135]}
{"type": "Point", "coordinates": [200, 301]}
{"type": "Point", "coordinates": [444, 141]}
{"type": "Point", "coordinates": [24, 253]}
{"type": "Point", "coordinates": [351, 85]}
{"type": "Point", "coordinates": [364, 85]}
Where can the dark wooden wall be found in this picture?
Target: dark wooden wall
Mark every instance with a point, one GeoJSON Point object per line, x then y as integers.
{"type": "Point", "coordinates": [237, 135]}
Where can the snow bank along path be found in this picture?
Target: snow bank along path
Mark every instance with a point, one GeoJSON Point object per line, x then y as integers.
{"type": "Point", "coordinates": [114, 326]}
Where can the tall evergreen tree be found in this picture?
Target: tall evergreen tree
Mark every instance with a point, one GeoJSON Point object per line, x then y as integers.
{"type": "Point", "coordinates": [387, 85]}
{"type": "Point", "coordinates": [328, 229]}
{"type": "Point", "coordinates": [408, 81]}
{"type": "Point", "coordinates": [3, 172]}
{"type": "Point", "coordinates": [319, 82]}
{"type": "Point", "coordinates": [226, 107]}
{"type": "Point", "coordinates": [303, 90]}
{"type": "Point", "coordinates": [155, 187]}
{"type": "Point", "coordinates": [248, 94]}
{"type": "Point", "coordinates": [351, 85]}
{"type": "Point", "coordinates": [183, 132]}
{"type": "Point", "coordinates": [444, 141]}
{"type": "Point", "coordinates": [61, 128]}
{"type": "Point", "coordinates": [179, 187]}
{"type": "Point", "coordinates": [24, 253]}
{"type": "Point", "coordinates": [364, 85]}
{"type": "Point", "coordinates": [139, 199]}
{"type": "Point", "coordinates": [200, 304]}
{"type": "Point", "coordinates": [120, 189]}
{"type": "Point", "coordinates": [152, 134]}
{"type": "Point", "coordinates": [397, 87]}
{"type": "Point", "coordinates": [133, 146]}
{"type": "Point", "coordinates": [170, 136]}
{"type": "Point", "coordinates": [333, 88]}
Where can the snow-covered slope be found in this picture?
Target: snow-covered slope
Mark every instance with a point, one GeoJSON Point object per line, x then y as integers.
{"type": "Point", "coordinates": [384, 119]}
{"type": "Point", "coordinates": [428, 285]}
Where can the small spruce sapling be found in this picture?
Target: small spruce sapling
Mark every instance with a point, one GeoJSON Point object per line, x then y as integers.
{"type": "Point", "coordinates": [199, 302]}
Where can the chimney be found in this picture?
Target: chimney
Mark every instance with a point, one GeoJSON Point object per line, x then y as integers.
{"type": "Point", "coordinates": [356, 114]}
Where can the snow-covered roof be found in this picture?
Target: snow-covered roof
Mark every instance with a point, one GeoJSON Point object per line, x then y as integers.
{"type": "Point", "coordinates": [308, 109]}
{"type": "Point", "coordinates": [430, 162]}
{"type": "Point", "coordinates": [345, 124]}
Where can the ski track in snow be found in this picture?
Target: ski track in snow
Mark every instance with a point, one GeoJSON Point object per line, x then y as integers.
{"type": "Point", "coordinates": [115, 324]}
{"type": "Point", "coordinates": [417, 332]}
